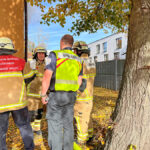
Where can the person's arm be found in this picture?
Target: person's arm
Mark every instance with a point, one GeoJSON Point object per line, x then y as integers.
{"type": "Point", "coordinates": [49, 69]}
{"type": "Point", "coordinates": [45, 84]}
{"type": "Point", "coordinates": [28, 73]}
{"type": "Point", "coordinates": [80, 76]}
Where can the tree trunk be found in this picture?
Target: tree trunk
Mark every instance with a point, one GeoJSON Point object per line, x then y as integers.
{"type": "Point", "coordinates": [132, 113]}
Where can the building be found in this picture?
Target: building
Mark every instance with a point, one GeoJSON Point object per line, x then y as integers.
{"type": "Point", "coordinates": [109, 48]}
{"type": "Point", "coordinates": [12, 23]}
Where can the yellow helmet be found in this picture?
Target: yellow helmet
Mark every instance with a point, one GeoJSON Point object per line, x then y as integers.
{"type": "Point", "coordinates": [6, 46]}
{"type": "Point", "coordinates": [39, 49]}
{"type": "Point", "coordinates": [81, 47]}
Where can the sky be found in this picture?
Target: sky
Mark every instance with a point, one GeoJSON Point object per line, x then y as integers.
{"type": "Point", "coordinates": [51, 35]}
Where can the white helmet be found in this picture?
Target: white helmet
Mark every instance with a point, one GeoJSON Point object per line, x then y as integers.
{"type": "Point", "coordinates": [38, 50]}
{"type": "Point", "coordinates": [6, 46]}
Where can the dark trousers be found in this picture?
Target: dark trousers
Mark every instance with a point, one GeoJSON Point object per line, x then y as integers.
{"type": "Point", "coordinates": [21, 119]}
{"type": "Point", "coordinates": [60, 120]}
{"type": "Point", "coordinates": [60, 136]}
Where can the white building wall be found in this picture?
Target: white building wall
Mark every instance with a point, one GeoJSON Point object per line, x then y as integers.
{"type": "Point", "coordinates": [111, 47]}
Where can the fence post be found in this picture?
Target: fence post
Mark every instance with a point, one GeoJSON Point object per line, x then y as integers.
{"type": "Point", "coordinates": [116, 76]}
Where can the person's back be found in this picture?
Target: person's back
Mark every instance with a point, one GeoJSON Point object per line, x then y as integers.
{"type": "Point", "coordinates": [68, 66]}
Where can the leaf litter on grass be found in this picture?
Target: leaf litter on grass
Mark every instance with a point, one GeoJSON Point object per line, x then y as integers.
{"type": "Point", "coordinates": [103, 104]}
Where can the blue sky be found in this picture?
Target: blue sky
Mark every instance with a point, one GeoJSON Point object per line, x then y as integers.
{"type": "Point", "coordinates": [51, 35]}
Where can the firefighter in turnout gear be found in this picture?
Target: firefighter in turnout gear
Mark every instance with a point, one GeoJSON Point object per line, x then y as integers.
{"type": "Point", "coordinates": [13, 95]}
{"type": "Point", "coordinates": [34, 83]}
{"type": "Point", "coordinates": [84, 102]}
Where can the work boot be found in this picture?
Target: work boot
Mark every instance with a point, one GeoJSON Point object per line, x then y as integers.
{"type": "Point", "coordinates": [90, 140]}
{"type": "Point", "coordinates": [78, 146]}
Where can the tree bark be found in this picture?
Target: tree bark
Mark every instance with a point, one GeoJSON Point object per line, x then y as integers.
{"type": "Point", "coordinates": [132, 113]}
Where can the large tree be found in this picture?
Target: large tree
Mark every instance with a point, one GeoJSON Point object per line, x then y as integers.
{"type": "Point", "coordinates": [131, 118]}
{"type": "Point", "coordinates": [132, 113]}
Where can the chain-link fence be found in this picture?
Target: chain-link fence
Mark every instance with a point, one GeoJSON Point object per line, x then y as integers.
{"type": "Point", "coordinates": [109, 74]}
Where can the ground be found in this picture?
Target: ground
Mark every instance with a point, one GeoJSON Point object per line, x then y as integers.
{"type": "Point", "coordinates": [104, 102]}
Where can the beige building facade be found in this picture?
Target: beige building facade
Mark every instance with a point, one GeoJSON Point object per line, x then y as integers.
{"type": "Point", "coordinates": [12, 23]}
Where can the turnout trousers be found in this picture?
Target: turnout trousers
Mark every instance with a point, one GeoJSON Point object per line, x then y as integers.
{"type": "Point", "coordinates": [21, 119]}
{"type": "Point", "coordinates": [60, 120]}
{"type": "Point", "coordinates": [35, 108]}
{"type": "Point", "coordinates": [84, 125]}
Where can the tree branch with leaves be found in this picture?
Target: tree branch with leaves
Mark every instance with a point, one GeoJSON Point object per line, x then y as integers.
{"type": "Point", "coordinates": [87, 15]}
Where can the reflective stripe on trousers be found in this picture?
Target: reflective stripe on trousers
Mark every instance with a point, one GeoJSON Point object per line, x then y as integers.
{"type": "Point", "coordinates": [82, 137]}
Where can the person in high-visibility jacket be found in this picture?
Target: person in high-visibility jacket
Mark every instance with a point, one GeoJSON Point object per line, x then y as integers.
{"type": "Point", "coordinates": [13, 95]}
{"type": "Point", "coordinates": [34, 84]}
{"type": "Point", "coordinates": [84, 102]}
{"type": "Point", "coordinates": [63, 77]}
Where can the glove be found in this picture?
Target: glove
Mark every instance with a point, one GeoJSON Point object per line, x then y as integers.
{"type": "Point", "coordinates": [83, 85]}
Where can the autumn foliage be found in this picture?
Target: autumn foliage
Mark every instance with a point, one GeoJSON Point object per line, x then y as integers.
{"type": "Point", "coordinates": [86, 16]}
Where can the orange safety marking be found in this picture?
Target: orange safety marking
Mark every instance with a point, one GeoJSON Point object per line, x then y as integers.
{"type": "Point", "coordinates": [61, 63]}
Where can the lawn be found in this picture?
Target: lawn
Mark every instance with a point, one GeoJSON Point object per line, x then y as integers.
{"type": "Point", "coordinates": [104, 102]}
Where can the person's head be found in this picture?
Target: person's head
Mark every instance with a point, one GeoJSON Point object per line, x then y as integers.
{"type": "Point", "coordinates": [40, 53]}
{"type": "Point", "coordinates": [6, 46]}
{"type": "Point", "coordinates": [66, 41]}
{"type": "Point", "coordinates": [80, 47]}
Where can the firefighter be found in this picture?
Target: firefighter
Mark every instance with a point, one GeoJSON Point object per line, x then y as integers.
{"type": "Point", "coordinates": [62, 76]}
{"type": "Point", "coordinates": [34, 88]}
{"type": "Point", "coordinates": [84, 102]}
{"type": "Point", "coordinates": [34, 84]}
{"type": "Point", "coordinates": [13, 95]}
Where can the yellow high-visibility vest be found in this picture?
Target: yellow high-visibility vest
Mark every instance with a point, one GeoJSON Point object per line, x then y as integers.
{"type": "Point", "coordinates": [68, 67]}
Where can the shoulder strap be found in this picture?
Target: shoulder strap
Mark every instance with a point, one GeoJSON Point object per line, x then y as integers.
{"type": "Point", "coordinates": [47, 60]}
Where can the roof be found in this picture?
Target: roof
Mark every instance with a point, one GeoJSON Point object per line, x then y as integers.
{"type": "Point", "coordinates": [103, 38]}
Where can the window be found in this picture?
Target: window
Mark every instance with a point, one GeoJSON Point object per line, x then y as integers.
{"type": "Point", "coordinates": [119, 43]}
{"type": "Point", "coordinates": [106, 57]}
{"type": "Point", "coordinates": [116, 55]}
{"type": "Point", "coordinates": [98, 49]}
{"type": "Point", "coordinates": [89, 51]}
{"type": "Point", "coordinates": [105, 47]}
{"type": "Point", "coordinates": [95, 58]}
